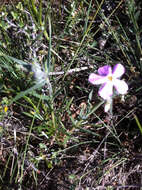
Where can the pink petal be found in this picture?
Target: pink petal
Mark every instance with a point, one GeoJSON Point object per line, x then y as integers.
{"type": "Point", "coordinates": [118, 70]}
{"type": "Point", "coordinates": [105, 70]}
{"type": "Point", "coordinates": [106, 90]}
{"type": "Point", "coordinates": [121, 86]}
{"type": "Point", "coordinates": [96, 79]}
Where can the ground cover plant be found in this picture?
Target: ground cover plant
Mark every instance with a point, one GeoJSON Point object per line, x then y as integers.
{"type": "Point", "coordinates": [58, 130]}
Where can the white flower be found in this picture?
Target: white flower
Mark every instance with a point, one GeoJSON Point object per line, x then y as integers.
{"type": "Point", "coordinates": [109, 78]}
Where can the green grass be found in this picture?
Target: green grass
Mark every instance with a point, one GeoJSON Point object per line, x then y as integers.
{"type": "Point", "coordinates": [55, 118]}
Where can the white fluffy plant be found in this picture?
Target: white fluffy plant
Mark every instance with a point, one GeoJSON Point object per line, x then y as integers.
{"type": "Point", "coordinates": [39, 74]}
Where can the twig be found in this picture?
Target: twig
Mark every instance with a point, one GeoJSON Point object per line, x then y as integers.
{"type": "Point", "coordinates": [72, 70]}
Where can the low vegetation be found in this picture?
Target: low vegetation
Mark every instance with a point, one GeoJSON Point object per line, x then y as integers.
{"type": "Point", "coordinates": [54, 131]}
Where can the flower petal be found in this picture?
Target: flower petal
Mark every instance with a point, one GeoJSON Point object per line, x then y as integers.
{"type": "Point", "coordinates": [106, 90]}
{"type": "Point", "coordinates": [121, 86]}
{"type": "Point", "coordinates": [96, 79]}
{"type": "Point", "coordinates": [105, 70]}
{"type": "Point", "coordinates": [118, 70]}
{"type": "Point", "coordinates": [108, 105]}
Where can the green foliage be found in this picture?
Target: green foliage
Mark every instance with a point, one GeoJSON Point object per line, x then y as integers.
{"type": "Point", "coordinates": [57, 114]}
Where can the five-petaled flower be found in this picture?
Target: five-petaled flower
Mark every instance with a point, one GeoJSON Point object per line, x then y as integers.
{"type": "Point", "coordinates": [109, 78]}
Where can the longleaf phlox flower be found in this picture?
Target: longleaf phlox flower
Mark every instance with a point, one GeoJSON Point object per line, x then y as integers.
{"type": "Point", "coordinates": [109, 78]}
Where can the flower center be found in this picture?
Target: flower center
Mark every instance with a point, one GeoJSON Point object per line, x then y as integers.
{"type": "Point", "coordinates": [110, 78]}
